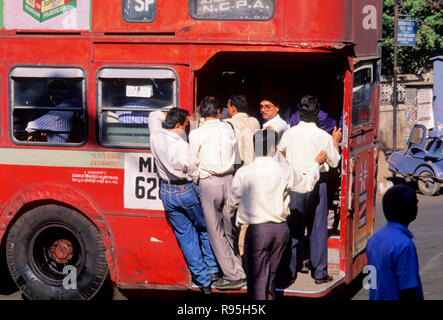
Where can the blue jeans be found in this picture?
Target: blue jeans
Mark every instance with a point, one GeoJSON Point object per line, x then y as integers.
{"type": "Point", "coordinates": [184, 212]}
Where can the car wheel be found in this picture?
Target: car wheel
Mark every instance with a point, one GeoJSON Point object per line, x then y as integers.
{"type": "Point", "coordinates": [427, 185]}
{"type": "Point", "coordinates": [56, 253]}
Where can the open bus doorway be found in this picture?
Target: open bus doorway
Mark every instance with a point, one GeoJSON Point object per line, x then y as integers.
{"type": "Point", "coordinates": [287, 76]}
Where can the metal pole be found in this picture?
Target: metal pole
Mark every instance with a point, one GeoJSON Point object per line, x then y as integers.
{"type": "Point", "coordinates": [394, 102]}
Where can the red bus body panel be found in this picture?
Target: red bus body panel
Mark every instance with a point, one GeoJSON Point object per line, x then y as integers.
{"type": "Point", "coordinates": [141, 248]}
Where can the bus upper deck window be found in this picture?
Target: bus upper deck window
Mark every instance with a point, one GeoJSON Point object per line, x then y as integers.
{"type": "Point", "coordinates": [125, 99]}
{"type": "Point", "coordinates": [48, 105]}
{"type": "Point", "coordinates": [362, 95]}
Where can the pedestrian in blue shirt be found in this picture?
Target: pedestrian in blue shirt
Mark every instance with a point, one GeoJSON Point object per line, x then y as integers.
{"type": "Point", "coordinates": [391, 249]}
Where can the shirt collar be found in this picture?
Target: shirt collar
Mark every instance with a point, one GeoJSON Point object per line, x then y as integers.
{"type": "Point", "coordinates": [177, 133]}
{"type": "Point", "coordinates": [307, 124]}
{"type": "Point", "coordinates": [399, 226]}
{"type": "Point", "coordinates": [240, 115]}
{"type": "Point", "coordinates": [212, 121]}
{"type": "Point", "coordinates": [263, 159]}
{"type": "Point", "coordinates": [276, 118]}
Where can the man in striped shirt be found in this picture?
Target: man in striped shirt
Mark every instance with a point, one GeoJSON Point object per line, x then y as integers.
{"type": "Point", "coordinates": [55, 125]}
{"type": "Point", "coordinates": [134, 115]}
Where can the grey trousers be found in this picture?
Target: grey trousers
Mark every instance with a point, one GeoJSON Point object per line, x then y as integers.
{"type": "Point", "coordinates": [214, 192]}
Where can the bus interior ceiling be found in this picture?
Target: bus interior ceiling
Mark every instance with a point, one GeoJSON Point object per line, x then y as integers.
{"type": "Point", "coordinates": [284, 76]}
{"type": "Point", "coordinates": [287, 77]}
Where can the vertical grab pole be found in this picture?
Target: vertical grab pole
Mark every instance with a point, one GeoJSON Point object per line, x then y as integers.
{"type": "Point", "coordinates": [394, 102]}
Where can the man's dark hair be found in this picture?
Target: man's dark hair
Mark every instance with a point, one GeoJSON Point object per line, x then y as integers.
{"type": "Point", "coordinates": [58, 90]}
{"type": "Point", "coordinates": [264, 140]}
{"type": "Point", "coordinates": [239, 101]}
{"type": "Point", "coordinates": [308, 107]}
{"type": "Point", "coordinates": [209, 108]}
{"type": "Point", "coordinates": [206, 99]}
{"type": "Point", "coordinates": [174, 116]}
{"type": "Point", "coordinates": [272, 99]}
{"type": "Point", "coordinates": [400, 204]}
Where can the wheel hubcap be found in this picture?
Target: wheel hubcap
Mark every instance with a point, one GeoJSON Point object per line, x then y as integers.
{"type": "Point", "coordinates": [61, 251]}
{"type": "Point", "coordinates": [52, 248]}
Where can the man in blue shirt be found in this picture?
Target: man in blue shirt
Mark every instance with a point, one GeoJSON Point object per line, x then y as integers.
{"type": "Point", "coordinates": [391, 249]}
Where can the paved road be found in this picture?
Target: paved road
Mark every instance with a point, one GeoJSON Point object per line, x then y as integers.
{"type": "Point", "coordinates": [427, 229]}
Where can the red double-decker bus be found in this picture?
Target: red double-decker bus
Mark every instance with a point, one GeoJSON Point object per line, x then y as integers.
{"type": "Point", "coordinates": [84, 195]}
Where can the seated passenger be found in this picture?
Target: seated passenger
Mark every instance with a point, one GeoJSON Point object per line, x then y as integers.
{"type": "Point", "coordinates": [134, 116]}
{"type": "Point", "coordinates": [54, 126]}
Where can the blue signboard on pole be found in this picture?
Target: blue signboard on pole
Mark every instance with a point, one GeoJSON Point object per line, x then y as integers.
{"type": "Point", "coordinates": [407, 31]}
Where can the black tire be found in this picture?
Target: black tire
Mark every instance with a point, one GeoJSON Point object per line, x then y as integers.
{"type": "Point", "coordinates": [427, 185]}
{"type": "Point", "coordinates": [47, 239]}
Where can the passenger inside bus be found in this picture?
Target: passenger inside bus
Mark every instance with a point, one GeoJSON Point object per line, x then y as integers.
{"type": "Point", "coordinates": [133, 116]}
{"type": "Point", "coordinates": [125, 106]}
{"type": "Point", "coordinates": [308, 219]}
{"type": "Point", "coordinates": [327, 123]}
{"type": "Point", "coordinates": [269, 109]}
{"type": "Point", "coordinates": [55, 126]}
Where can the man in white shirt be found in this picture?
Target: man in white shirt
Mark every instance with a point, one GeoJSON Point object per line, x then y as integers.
{"type": "Point", "coordinates": [297, 147]}
{"type": "Point", "coordinates": [269, 110]}
{"type": "Point", "coordinates": [179, 194]}
{"type": "Point", "coordinates": [260, 191]}
{"type": "Point", "coordinates": [244, 126]}
{"type": "Point", "coordinates": [212, 148]}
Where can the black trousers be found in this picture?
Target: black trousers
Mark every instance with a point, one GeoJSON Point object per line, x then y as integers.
{"type": "Point", "coordinates": [310, 211]}
{"type": "Point", "coordinates": [263, 250]}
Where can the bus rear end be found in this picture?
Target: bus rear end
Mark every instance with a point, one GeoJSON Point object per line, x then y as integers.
{"type": "Point", "coordinates": [91, 202]}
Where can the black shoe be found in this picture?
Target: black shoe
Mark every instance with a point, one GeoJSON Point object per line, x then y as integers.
{"type": "Point", "coordinates": [306, 266]}
{"type": "Point", "coordinates": [215, 276]}
{"type": "Point", "coordinates": [206, 289]}
{"type": "Point", "coordinates": [325, 279]}
{"type": "Point", "coordinates": [224, 284]}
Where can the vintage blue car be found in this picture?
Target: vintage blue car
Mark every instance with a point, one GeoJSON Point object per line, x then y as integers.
{"type": "Point", "coordinates": [421, 161]}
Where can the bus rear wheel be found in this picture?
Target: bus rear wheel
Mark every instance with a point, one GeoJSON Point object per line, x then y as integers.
{"type": "Point", "coordinates": [56, 253]}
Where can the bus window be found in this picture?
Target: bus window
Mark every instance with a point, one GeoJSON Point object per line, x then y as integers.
{"type": "Point", "coordinates": [255, 10]}
{"type": "Point", "coordinates": [139, 10]}
{"type": "Point", "coordinates": [48, 105]}
{"type": "Point", "coordinates": [362, 95]}
{"type": "Point", "coordinates": [125, 99]}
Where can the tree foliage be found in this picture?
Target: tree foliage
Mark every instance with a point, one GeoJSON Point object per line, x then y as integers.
{"type": "Point", "coordinates": [429, 14]}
